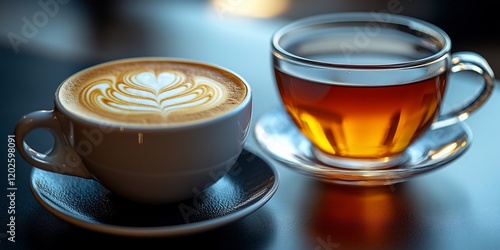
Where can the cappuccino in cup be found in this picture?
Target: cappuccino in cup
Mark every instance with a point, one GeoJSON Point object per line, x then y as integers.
{"type": "Point", "coordinates": [151, 93]}
{"type": "Point", "coordinates": [151, 130]}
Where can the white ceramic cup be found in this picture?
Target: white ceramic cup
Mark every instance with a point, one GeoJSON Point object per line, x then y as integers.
{"type": "Point", "coordinates": [154, 165]}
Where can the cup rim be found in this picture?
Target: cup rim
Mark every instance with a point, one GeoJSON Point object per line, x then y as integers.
{"type": "Point", "coordinates": [247, 100]}
{"type": "Point", "coordinates": [377, 17]}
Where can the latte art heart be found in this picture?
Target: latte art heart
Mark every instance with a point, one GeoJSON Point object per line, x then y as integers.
{"type": "Point", "coordinates": [151, 92]}
{"type": "Point", "coordinates": [146, 92]}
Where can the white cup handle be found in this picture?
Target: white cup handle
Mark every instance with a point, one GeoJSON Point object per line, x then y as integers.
{"type": "Point", "coordinates": [468, 61]}
{"type": "Point", "coordinates": [62, 158]}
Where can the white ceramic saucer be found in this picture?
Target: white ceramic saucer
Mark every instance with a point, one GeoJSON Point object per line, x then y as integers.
{"type": "Point", "coordinates": [85, 203]}
{"type": "Point", "coordinates": [276, 134]}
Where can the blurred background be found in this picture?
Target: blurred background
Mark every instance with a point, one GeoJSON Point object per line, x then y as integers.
{"type": "Point", "coordinates": [96, 30]}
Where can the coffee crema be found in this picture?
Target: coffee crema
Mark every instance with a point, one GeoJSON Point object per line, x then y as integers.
{"type": "Point", "coordinates": [151, 92]}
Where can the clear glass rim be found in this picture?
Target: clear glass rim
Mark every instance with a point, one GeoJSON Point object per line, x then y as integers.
{"type": "Point", "coordinates": [344, 17]}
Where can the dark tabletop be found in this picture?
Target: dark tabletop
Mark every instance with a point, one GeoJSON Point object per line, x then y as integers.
{"type": "Point", "coordinates": [454, 207]}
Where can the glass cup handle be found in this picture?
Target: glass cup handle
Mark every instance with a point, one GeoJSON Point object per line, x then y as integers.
{"type": "Point", "coordinates": [62, 158]}
{"type": "Point", "coordinates": [468, 61]}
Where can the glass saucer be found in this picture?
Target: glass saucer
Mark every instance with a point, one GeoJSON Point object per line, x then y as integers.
{"type": "Point", "coordinates": [85, 203]}
{"type": "Point", "coordinates": [277, 135]}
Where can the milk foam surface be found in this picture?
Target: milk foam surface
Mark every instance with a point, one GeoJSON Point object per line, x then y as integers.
{"type": "Point", "coordinates": [151, 92]}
